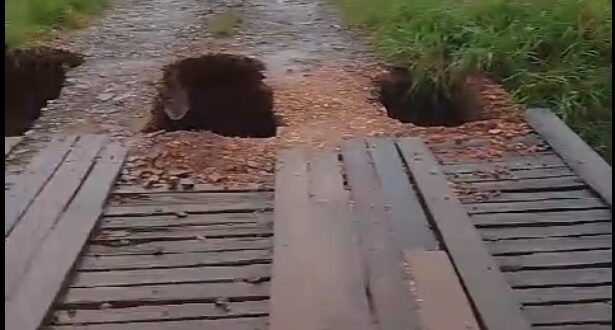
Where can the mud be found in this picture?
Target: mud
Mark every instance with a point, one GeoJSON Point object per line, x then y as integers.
{"type": "Point", "coordinates": [32, 77]}
{"type": "Point", "coordinates": [221, 93]}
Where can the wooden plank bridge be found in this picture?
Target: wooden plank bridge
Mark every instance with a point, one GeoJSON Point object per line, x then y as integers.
{"type": "Point", "coordinates": [370, 236]}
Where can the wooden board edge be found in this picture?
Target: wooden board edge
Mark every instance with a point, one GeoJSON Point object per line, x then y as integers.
{"type": "Point", "coordinates": [10, 142]}
{"type": "Point", "coordinates": [438, 288]}
{"type": "Point", "coordinates": [583, 160]}
{"type": "Point", "coordinates": [491, 296]}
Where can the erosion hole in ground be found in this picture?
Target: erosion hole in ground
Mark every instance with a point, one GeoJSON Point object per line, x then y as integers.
{"type": "Point", "coordinates": [427, 104]}
{"type": "Point", "coordinates": [221, 93]}
{"type": "Point", "coordinates": [32, 77]}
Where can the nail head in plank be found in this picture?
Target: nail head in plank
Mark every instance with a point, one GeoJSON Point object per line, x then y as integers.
{"type": "Point", "coordinates": [340, 281]}
{"type": "Point", "coordinates": [235, 324]}
{"type": "Point", "coordinates": [10, 143]}
{"type": "Point", "coordinates": [170, 276]}
{"type": "Point", "coordinates": [408, 219]}
{"type": "Point", "coordinates": [29, 183]}
{"type": "Point", "coordinates": [547, 244]}
{"type": "Point", "coordinates": [47, 207]}
{"type": "Point", "coordinates": [488, 290]}
{"type": "Point", "coordinates": [292, 306]}
{"type": "Point", "coordinates": [162, 313]}
{"type": "Point", "coordinates": [561, 295]}
{"type": "Point", "coordinates": [575, 152]}
{"type": "Point", "coordinates": [439, 289]}
{"type": "Point", "coordinates": [28, 307]}
{"type": "Point", "coordinates": [392, 299]}
{"type": "Point", "coordinates": [560, 277]}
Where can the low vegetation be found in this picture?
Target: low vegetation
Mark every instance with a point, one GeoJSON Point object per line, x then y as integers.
{"type": "Point", "coordinates": [547, 53]}
{"type": "Point", "coordinates": [225, 24]}
{"type": "Point", "coordinates": [29, 20]}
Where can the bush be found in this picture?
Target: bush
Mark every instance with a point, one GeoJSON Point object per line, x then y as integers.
{"type": "Point", "coordinates": [547, 53]}
{"type": "Point", "coordinates": [25, 20]}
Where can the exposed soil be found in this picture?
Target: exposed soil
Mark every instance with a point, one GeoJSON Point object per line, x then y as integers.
{"type": "Point", "coordinates": [221, 93]}
{"type": "Point", "coordinates": [31, 78]}
{"type": "Point", "coordinates": [320, 73]}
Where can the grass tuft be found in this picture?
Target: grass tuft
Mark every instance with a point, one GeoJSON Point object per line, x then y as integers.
{"type": "Point", "coordinates": [224, 24]}
{"type": "Point", "coordinates": [547, 53]}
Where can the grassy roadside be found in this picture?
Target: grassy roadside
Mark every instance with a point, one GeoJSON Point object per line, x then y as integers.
{"type": "Point", "coordinates": [548, 53]}
{"type": "Point", "coordinates": [29, 20]}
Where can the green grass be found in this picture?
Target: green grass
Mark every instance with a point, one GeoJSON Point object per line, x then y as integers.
{"type": "Point", "coordinates": [225, 24]}
{"type": "Point", "coordinates": [547, 53]}
{"type": "Point", "coordinates": [30, 20]}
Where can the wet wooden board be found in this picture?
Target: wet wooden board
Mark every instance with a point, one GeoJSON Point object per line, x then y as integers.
{"type": "Point", "coordinates": [439, 290]}
{"type": "Point", "coordinates": [33, 179]}
{"type": "Point", "coordinates": [545, 206]}
{"type": "Point", "coordinates": [163, 313]}
{"type": "Point", "coordinates": [235, 324]}
{"type": "Point", "coordinates": [559, 277]}
{"type": "Point", "coordinates": [587, 259]}
{"type": "Point", "coordinates": [39, 287]}
{"type": "Point", "coordinates": [486, 286]}
{"type": "Point", "coordinates": [584, 229]}
{"type": "Point", "coordinates": [541, 218]}
{"type": "Point", "coordinates": [10, 143]}
{"type": "Point", "coordinates": [549, 244]}
{"type": "Point", "coordinates": [392, 300]}
{"type": "Point", "coordinates": [250, 272]}
{"type": "Point", "coordinates": [42, 215]}
{"type": "Point", "coordinates": [408, 219]}
{"type": "Point", "coordinates": [594, 170]}
{"type": "Point", "coordinates": [562, 295]}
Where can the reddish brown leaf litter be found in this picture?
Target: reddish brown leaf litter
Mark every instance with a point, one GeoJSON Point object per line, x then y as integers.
{"type": "Point", "coordinates": [319, 110]}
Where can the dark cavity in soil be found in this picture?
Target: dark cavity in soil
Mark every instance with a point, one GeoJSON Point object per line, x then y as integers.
{"type": "Point", "coordinates": [31, 78]}
{"type": "Point", "coordinates": [222, 93]}
{"type": "Point", "coordinates": [425, 104]}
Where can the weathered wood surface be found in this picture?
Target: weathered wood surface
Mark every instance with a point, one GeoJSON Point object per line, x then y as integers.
{"type": "Point", "coordinates": [487, 288]}
{"type": "Point", "coordinates": [39, 286]}
{"type": "Point", "coordinates": [594, 170]}
{"type": "Point", "coordinates": [247, 323]}
{"type": "Point", "coordinates": [10, 143]}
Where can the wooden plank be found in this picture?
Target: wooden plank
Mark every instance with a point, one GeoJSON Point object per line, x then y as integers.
{"type": "Point", "coordinates": [575, 327]}
{"type": "Point", "coordinates": [41, 284]}
{"type": "Point", "coordinates": [511, 163]}
{"type": "Point", "coordinates": [529, 139]}
{"type": "Point", "coordinates": [186, 220]}
{"type": "Point", "coordinates": [149, 210]}
{"type": "Point", "coordinates": [547, 260]}
{"type": "Point", "coordinates": [165, 294]}
{"type": "Point", "coordinates": [541, 218]}
{"type": "Point", "coordinates": [181, 233]}
{"type": "Point", "coordinates": [171, 247]}
{"type": "Point", "coordinates": [392, 300]}
{"type": "Point", "coordinates": [408, 219]}
{"type": "Point", "coordinates": [582, 159]}
{"type": "Point", "coordinates": [10, 142]}
{"type": "Point", "coordinates": [33, 179]}
{"type": "Point", "coordinates": [235, 324]}
{"type": "Point", "coordinates": [547, 244]}
{"type": "Point", "coordinates": [174, 260]}
{"type": "Point", "coordinates": [562, 295]}
{"type": "Point", "coordinates": [47, 207]}
{"type": "Point", "coordinates": [339, 281]}
{"type": "Point", "coordinates": [162, 313]}
{"type": "Point", "coordinates": [439, 289]}
{"type": "Point", "coordinates": [485, 284]}
{"type": "Point", "coordinates": [573, 313]}
{"type": "Point", "coordinates": [190, 198]}
{"type": "Point", "coordinates": [561, 183]}
{"type": "Point", "coordinates": [560, 277]}
{"type": "Point", "coordinates": [584, 229]}
{"type": "Point", "coordinates": [171, 276]}
{"type": "Point", "coordinates": [198, 188]}
{"type": "Point", "coordinates": [536, 173]}
{"type": "Point", "coordinates": [526, 197]}
{"type": "Point", "coordinates": [523, 207]}
{"type": "Point", "coordinates": [293, 258]}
